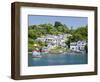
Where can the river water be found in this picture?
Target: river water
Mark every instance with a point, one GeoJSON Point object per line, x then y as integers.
{"type": "Point", "coordinates": [58, 59]}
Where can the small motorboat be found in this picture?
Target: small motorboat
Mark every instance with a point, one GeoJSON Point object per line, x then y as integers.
{"type": "Point", "coordinates": [36, 53]}
{"type": "Point", "coordinates": [45, 51]}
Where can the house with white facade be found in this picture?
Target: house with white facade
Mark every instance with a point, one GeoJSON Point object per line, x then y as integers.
{"type": "Point", "coordinates": [78, 46]}
{"type": "Point", "coordinates": [54, 40]}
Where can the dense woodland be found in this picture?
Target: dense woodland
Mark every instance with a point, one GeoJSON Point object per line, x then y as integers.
{"type": "Point", "coordinates": [35, 31]}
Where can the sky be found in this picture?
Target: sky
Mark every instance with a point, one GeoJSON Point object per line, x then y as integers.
{"type": "Point", "coordinates": [74, 22]}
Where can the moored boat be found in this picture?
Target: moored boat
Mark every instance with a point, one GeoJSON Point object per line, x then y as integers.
{"type": "Point", "coordinates": [45, 51]}
{"type": "Point", "coordinates": [36, 53]}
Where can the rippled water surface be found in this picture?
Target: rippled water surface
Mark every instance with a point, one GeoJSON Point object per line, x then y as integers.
{"type": "Point", "coordinates": [58, 59]}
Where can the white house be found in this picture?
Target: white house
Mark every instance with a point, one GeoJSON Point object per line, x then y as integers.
{"type": "Point", "coordinates": [54, 40]}
{"type": "Point", "coordinates": [81, 45]}
{"type": "Point", "coordinates": [73, 46]}
{"type": "Point", "coordinates": [78, 46]}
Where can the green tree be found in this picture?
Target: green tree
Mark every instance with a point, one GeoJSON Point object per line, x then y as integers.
{"type": "Point", "coordinates": [31, 34]}
{"type": "Point", "coordinates": [57, 23]}
{"type": "Point", "coordinates": [79, 34]}
{"type": "Point", "coordinates": [86, 48]}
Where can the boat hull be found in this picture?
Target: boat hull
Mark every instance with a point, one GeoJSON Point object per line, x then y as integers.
{"type": "Point", "coordinates": [36, 54]}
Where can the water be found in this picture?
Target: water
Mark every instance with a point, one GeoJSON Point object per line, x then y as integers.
{"type": "Point", "coordinates": [58, 59]}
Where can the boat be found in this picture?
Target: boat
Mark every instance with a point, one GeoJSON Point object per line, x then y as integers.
{"type": "Point", "coordinates": [45, 51]}
{"type": "Point", "coordinates": [36, 53]}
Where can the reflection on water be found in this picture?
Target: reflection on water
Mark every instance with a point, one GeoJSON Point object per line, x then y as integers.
{"type": "Point", "coordinates": [58, 59]}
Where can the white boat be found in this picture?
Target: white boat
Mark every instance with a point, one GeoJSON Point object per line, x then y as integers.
{"type": "Point", "coordinates": [36, 53]}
